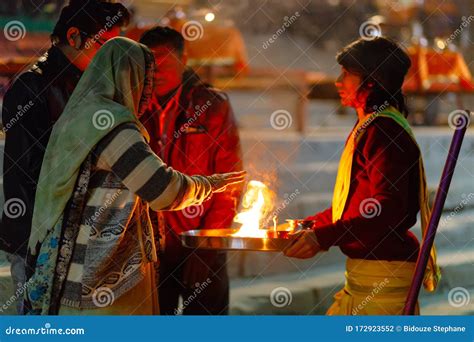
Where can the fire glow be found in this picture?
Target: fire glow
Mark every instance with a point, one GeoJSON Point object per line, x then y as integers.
{"type": "Point", "coordinates": [257, 204]}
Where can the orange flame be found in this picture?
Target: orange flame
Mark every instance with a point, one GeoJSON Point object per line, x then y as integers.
{"type": "Point", "coordinates": [257, 203]}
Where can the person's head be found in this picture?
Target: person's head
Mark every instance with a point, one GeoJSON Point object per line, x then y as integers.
{"type": "Point", "coordinates": [372, 74]}
{"type": "Point", "coordinates": [167, 46]}
{"type": "Point", "coordinates": [115, 79]}
{"type": "Point", "coordinates": [85, 25]}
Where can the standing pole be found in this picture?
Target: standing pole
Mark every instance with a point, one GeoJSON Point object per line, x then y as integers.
{"type": "Point", "coordinates": [460, 120]}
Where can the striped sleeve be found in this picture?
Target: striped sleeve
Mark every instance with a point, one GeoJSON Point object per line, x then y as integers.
{"type": "Point", "coordinates": [125, 153]}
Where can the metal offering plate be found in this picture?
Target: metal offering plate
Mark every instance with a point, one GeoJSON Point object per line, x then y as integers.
{"type": "Point", "coordinates": [222, 239]}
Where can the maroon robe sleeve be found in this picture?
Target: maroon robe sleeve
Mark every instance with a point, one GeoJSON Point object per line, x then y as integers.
{"type": "Point", "coordinates": [389, 157]}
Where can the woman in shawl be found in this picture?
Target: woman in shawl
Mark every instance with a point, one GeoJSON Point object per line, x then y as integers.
{"type": "Point", "coordinates": [92, 246]}
{"type": "Point", "coordinates": [380, 187]}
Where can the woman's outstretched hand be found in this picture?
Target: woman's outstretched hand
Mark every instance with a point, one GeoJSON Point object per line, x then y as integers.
{"type": "Point", "coordinates": [220, 181]}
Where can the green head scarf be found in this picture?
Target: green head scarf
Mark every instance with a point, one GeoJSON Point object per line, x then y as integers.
{"type": "Point", "coordinates": [113, 90]}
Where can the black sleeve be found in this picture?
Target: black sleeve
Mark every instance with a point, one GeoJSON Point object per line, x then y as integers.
{"type": "Point", "coordinates": [26, 125]}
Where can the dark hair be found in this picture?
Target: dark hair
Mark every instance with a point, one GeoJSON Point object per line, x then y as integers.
{"type": "Point", "coordinates": [382, 64]}
{"type": "Point", "coordinates": [90, 17]}
{"type": "Point", "coordinates": [163, 36]}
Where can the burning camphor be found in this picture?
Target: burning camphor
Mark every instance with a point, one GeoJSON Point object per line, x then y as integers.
{"type": "Point", "coordinates": [254, 233]}
{"type": "Point", "coordinates": [257, 203]}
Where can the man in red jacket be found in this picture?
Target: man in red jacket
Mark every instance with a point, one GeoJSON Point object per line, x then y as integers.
{"type": "Point", "coordinates": [192, 128]}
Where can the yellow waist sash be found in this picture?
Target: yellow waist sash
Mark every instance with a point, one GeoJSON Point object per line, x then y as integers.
{"type": "Point", "coordinates": [343, 181]}
{"type": "Point", "coordinates": [374, 287]}
{"type": "Point", "coordinates": [390, 278]}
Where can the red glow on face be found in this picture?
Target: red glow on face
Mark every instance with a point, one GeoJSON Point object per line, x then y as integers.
{"type": "Point", "coordinates": [348, 85]}
{"type": "Point", "coordinates": [92, 46]}
{"type": "Point", "coordinates": [169, 69]}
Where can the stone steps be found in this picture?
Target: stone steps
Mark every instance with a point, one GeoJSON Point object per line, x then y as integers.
{"type": "Point", "coordinates": [312, 291]}
{"type": "Point", "coordinates": [326, 145]}
{"type": "Point", "coordinates": [440, 306]}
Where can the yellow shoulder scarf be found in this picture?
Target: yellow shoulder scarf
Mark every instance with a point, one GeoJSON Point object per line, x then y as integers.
{"type": "Point", "coordinates": [343, 181]}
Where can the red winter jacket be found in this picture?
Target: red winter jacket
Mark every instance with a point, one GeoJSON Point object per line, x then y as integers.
{"type": "Point", "coordinates": [201, 138]}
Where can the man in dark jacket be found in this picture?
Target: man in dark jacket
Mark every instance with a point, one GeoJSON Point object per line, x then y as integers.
{"type": "Point", "coordinates": [192, 128]}
{"type": "Point", "coordinates": [33, 104]}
